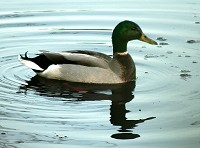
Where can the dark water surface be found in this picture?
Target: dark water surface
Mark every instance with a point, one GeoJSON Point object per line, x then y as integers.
{"type": "Point", "coordinates": [160, 110]}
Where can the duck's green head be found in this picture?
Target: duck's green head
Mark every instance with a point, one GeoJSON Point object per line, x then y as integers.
{"type": "Point", "coordinates": [126, 31]}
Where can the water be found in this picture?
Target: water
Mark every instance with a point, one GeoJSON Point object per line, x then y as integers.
{"type": "Point", "coordinates": [160, 110]}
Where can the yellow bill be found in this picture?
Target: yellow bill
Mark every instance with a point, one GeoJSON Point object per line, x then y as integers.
{"type": "Point", "coordinates": [144, 38]}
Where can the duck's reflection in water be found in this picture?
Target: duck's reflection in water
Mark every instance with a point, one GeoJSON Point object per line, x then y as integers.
{"type": "Point", "coordinates": [118, 94]}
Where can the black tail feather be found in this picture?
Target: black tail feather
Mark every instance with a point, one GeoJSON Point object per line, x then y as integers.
{"type": "Point", "coordinates": [25, 57]}
{"type": "Point", "coordinates": [41, 60]}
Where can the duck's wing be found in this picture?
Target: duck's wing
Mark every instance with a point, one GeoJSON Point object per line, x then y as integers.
{"type": "Point", "coordinates": [78, 57]}
{"type": "Point", "coordinates": [92, 53]}
{"type": "Point", "coordinates": [85, 58]}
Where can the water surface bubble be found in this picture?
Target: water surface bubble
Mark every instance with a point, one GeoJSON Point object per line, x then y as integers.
{"type": "Point", "coordinates": [193, 41]}
{"type": "Point", "coordinates": [161, 39]}
{"type": "Point", "coordinates": [163, 43]}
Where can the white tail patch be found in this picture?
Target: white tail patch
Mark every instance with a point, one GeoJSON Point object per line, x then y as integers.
{"type": "Point", "coordinates": [30, 64]}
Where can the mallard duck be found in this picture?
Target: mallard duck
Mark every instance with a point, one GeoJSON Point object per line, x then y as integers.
{"type": "Point", "coordinates": [91, 66]}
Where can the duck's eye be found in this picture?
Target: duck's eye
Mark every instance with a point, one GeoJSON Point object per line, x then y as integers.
{"type": "Point", "coordinates": [133, 28]}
